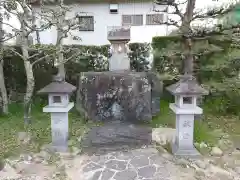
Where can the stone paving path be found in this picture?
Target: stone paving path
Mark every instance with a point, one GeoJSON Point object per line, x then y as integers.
{"type": "Point", "coordinates": [120, 151]}
{"type": "Point", "coordinates": [139, 164]}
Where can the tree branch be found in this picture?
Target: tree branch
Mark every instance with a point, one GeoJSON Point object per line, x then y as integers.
{"type": "Point", "coordinates": [171, 3]}
{"type": "Point", "coordinates": [66, 60]}
{"type": "Point", "coordinates": [10, 26]}
{"type": "Point", "coordinates": [213, 13]}
{"type": "Point", "coordinates": [42, 58]}
{"type": "Point", "coordinates": [4, 40]}
{"type": "Point", "coordinates": [35, 55]}
{"type": "Point", "coordinates": [171, 23]}
{"type": "Point", "coordinates": [17, 53]}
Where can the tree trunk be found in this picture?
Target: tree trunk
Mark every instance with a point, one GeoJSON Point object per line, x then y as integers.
{"type": "Point", "coordinates": [29, 91]}
{"type": "Point", "coordinates": [61, 68]}
{"type": "Point", "coordinates": [2, 81]}
{"type": "Point", "coordinates": [60, 35]}
{"type": "Point", "coordinates": [187, 42]}
{"type": "Point", "coordinates": [189, 59]}
{"type": "Point", "coordinates": [29, 74]}
{"type": "Point", "coordinates": [3, 90]}
{"type": "Point", "coordinates": [34, 23]}
{"type": "Point", "coordinates": [61, 71]}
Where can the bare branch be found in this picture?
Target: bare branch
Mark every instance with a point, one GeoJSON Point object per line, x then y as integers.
{"type": "Point", "coordinates": [171, 23]}
{"type": "Point", "coordinates": [35, 55]}
{"type": "Point", "coordinates": [42, 58]}
{"type": "Point", "coordinates": [4, 39]}
{"type": "Point", "coordinates": [74, 55]}
{"type": "Point", "coordinates": [10, 26]}
{"type": "Point", "coordinates": [17, 53]}
{"type": "Point", "coordinates": [46, 56]}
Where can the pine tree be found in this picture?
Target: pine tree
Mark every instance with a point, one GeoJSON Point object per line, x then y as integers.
{"type": "Point", "coordinates": [193, 41]}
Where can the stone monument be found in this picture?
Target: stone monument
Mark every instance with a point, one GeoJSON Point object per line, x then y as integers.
{"type": "Point", "coordinates": [119, 37]}
{"type": "Point", "coordinates": [186, 92]}
{"type": "Point", "coordinates": [58, 105]}
{"type": "Point", "coordinates": [117, 94]}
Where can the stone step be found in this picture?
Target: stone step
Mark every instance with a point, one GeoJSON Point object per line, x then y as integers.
{"type": "Point", "coordinates": [116, 135]}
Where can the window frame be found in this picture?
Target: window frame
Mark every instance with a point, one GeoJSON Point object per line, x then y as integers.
{"type": "Point", "coordinates": [132, 20]}
{"type": "Point", "coordinates": [151, 16]}
{"type": "Point", "coordinates": [82, 29]}
{"type": "Point", "coordinates": [57, 99]}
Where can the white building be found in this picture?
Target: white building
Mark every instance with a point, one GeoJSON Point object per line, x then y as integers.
{"type": "Point", "coordinates": [101, 15]}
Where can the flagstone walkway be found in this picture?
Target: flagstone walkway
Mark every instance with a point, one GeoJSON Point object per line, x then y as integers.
{"type": "Point", "coordinates": [120, 151]}
{"type": "Point", "coordinates": [139, 164]}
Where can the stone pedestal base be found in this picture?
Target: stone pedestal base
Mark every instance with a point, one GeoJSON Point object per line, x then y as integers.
{"type": "Point", "coordinates": [59, 127]}
{"type": "Point", "coordinates": [183, 145]}
{"type": "Point", "coordinates": [179, 151]}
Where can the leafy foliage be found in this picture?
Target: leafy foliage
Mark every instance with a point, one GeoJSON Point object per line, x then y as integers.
{"type": "Point", "coordinates": [139, 56]}
{"type": "Point", "coordinates": [91, 58]}
{"type": "Point", "coordinates": [213, 52]}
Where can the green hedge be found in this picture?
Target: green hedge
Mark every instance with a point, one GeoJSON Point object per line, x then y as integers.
{"type": "Point", "coordinates": [159, 42]}
{"type": "Point", "coordinates": [15, 77]}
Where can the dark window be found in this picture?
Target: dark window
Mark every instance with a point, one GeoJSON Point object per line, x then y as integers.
{"type": "Point", "coordinates": [132, 20]}
{"type": "Point", "coordinates": [56, 99]}
{"type": "Point", "coordinates": [113, 11]}
{"type": "Point", "coordinates": [154, 19]}
{"type": "Point", "coordinates": [86, 23]}
{"type": "Point", "coordinates": [187, 100]}
{"type": "Point", "coordinates": [113, 8]}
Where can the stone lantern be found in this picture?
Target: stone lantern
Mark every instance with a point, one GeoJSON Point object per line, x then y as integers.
{"type": "Point", "coordinates": [119, 37]}
{"type": "Point", "coordinates": [58, 105]}
{"type": "Point", "coordinates": [186, 92]}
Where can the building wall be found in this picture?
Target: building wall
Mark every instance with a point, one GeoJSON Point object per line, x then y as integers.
{"type": "Point", "coordinates": [103, 18]}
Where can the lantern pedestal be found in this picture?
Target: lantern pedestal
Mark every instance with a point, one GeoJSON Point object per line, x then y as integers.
{"type": "Point", "coordinates": [183, 144]}
{"type": "Point", "coordinates": [59, 126]}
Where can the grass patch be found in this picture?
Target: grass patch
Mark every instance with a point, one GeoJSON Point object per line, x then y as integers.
{"type": "Point", "coordinates": [202, 133]}
{"type": "Point", "coordinates": [165, 118]}
{"type": "Point", "coordinates": [39, 129]}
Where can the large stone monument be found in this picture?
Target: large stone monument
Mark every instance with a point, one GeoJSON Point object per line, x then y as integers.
{"type": "Point", "coordinates": [186, 92]}
{"type": "Point", "coordinates": [58, 105]}
{"type": "Point", "coordinates": [118, 94]}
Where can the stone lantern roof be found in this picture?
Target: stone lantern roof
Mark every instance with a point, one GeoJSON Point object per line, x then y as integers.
{"type": "Point", "coordinates": [187, 85]}
{"type": "Point", "coordinates": [59, 85]}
